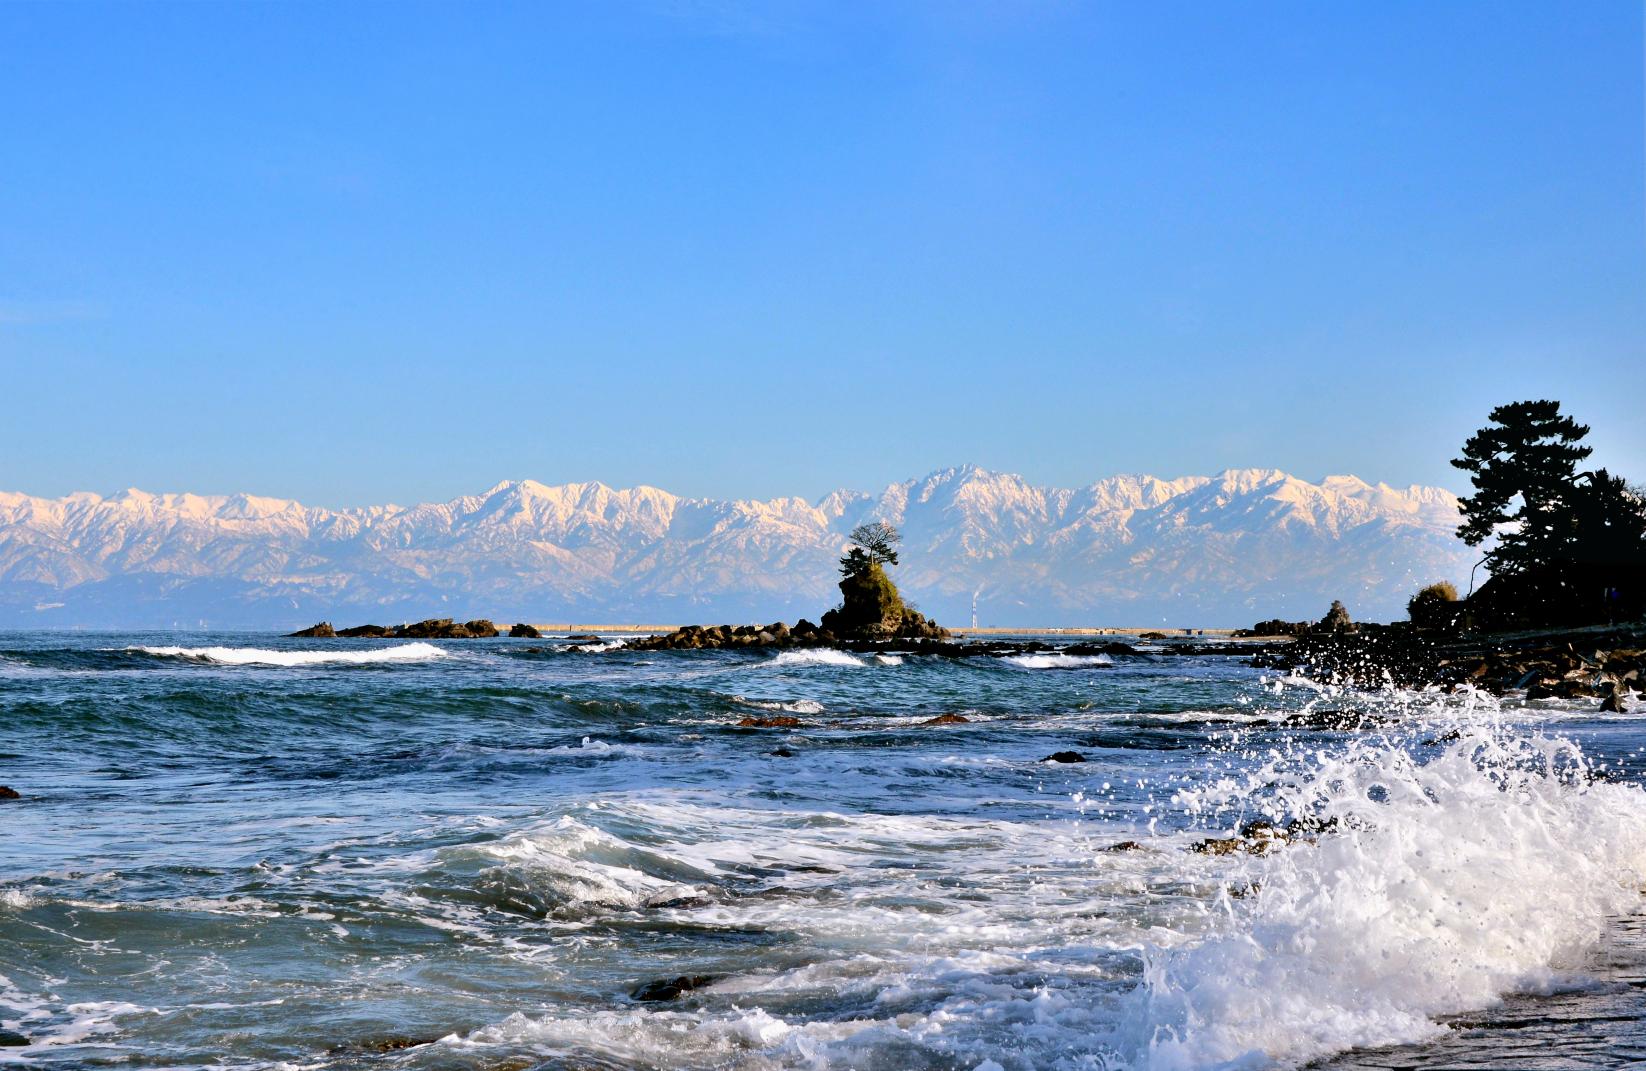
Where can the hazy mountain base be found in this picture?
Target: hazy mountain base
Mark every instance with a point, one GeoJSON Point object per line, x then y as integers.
{"type": "Point", "coordinates": [1220, 551]}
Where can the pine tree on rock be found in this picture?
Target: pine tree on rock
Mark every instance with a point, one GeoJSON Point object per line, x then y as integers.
{"type": "Point", "coordinates": [1524, 468]}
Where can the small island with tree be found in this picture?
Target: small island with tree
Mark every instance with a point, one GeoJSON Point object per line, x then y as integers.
{"type": "Point", "coordinates": [871, 609]}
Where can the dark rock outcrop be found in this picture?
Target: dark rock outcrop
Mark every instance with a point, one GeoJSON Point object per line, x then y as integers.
{"type": "Point", "coordinates": [1064, 756]}
{"type": "Point", "coordinates": [11, 1039]}
{"type": "Point", "coordinates": [947, 719]}
{"type": "Point", "coordinates": [782, 721]}
{"type": "Point", "coordinates": [320, 631]}
{"type": "Point", "coordinates": [443, 628]}
{"type": "Point", "coordinates": [9, 793]}
{"type": "Point", "coordinates": [670, 988]}
{"type": "Point", "coordinates": [366, 631]}
{"type": "Point", "coordinates": [434, 628]}
{"type": "Point", "coordinates": [521, 630]}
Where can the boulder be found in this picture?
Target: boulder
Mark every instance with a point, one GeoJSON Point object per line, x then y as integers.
{"type": "Point", "coordinates": [670, 988]}
{"type": "Point", "coordinates": [11, 1039]}
{"type": "Point", "coordinates": [320, 631]}
{"type": "Point", "coordinates": [523, 631]}
{"type": "Point", "coordinates": [1064, 756]}
{"type": "Point", "coordinates": [9, 793]}
{"type": "Point", "coordinates": [947, 719]}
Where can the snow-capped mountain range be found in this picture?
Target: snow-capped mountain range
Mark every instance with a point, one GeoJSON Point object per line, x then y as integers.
{"type": "Point", "coordinates": [1128, 550]}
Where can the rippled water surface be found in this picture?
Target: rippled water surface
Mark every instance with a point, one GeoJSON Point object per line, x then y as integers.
{"type": "Point", "coordinates": [246, 851]}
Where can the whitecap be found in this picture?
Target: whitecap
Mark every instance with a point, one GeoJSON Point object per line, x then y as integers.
{"type": "Point", "coordinates": [1056, 661]}
{"type": "Point", "coordinates": [259, 656]}
{"type": "Point", "coordinates": [816, 656]}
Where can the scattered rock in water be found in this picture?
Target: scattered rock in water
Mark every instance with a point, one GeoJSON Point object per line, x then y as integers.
{"type": "Point", "coordinates": [1064, 756]}
{"type": "Point", "coordinates": [947, 719]}
{"type": "Point", "coordinates": [434, 628]}
{"type": "Point", "coordinates": [1616, 701]}
{"type": "Point", "coordinates": [391, 1043]}
{"type": "Point", "coordinates": [522, 631]}
{"type": "Point", "coordinates": [11, 1039]}
{"type": "Point", "coordinates": [1152, 636]}
{"type": "Point", "coordinates": [671, 988]}
{"type": "Point", "coordinates": [9, 793]}
{"type": "Point", "coordinates": [1115, 648]}
{"type": "Point", "coordinates": [1333, 719]}
{"type": "Point", "coordinates": [782, 721]}
{"type": "Point", "coordinates": [1123, 846]}
{"type": "Point", "coordinates": [320, 631]}
{"type": "Point", "coordinates": [584, 637]}
{"type": "Point", "coordinates": [1260, 835]}
{"type": "Point", "coordinates": [781, 753]}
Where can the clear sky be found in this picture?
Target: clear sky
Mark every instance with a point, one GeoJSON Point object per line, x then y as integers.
{"type": "Point", "coordinates": [391, 252]}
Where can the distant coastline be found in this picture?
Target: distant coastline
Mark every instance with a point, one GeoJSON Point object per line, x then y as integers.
{"type": "Point", "coordinates": [641, 630]}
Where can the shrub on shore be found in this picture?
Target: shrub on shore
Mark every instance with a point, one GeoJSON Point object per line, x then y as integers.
{"type": "Point", "coordinates": [1434, 607]}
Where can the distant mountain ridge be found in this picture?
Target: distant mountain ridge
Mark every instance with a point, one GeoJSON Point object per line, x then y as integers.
{"type": "Point", "coordinates": [1128, 550]}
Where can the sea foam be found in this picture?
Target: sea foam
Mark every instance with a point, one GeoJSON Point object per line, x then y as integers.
{"type": "Point", "coordinates": [1057, 661]}
{"type": "Point", "coordinates": [816, 656]}
{"type": "Point", "coordinates": [258, 656]}
{"type": "Point", "coordinates": [1437, 886]}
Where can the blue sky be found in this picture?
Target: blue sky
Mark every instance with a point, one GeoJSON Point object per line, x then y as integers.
{"type": "Point", "coordinates": [392, 252]}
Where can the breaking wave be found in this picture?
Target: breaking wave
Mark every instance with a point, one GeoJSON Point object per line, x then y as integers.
{"type": "Point", "coordinates": [258, 656]}
{"type": "Point", "coordinates": [1432, 886]}
{"type": "Point", "coordinates": [816, 656]}
{"type": "Point", "coordinates": [1056, 661]}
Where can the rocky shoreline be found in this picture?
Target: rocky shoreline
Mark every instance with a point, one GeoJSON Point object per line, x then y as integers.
{"type": "Point", "coordinates": [1608, 663]}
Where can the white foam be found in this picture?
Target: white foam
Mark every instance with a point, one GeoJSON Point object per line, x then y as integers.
{"type": "Point", "coordinates": [792, 706]}
{"type": "Point", "coordinates": [1057, 661]}
{"type": "Point", "coordinates": [889, 659]}
{"type": "Point", "coordinates": [816, 656]}
{"type": "Point", "coordinates": [259, 656]}
{"type": "Point", "coordinates": [1444, 886]}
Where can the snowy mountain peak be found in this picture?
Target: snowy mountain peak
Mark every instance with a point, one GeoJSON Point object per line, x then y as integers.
{"type": "Point", "coordinates": [1132, 549]}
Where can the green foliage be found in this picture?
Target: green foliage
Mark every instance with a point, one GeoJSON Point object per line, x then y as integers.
{"type": "Point", "coordinates": [875, 544]}
{"type": "Point", "coordinates": [1434, 607]}
{"type": "Point", "coordinates": [1524, 468]}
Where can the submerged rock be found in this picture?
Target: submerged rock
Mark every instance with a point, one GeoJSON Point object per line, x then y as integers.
{"type": "Point", "coordinates": [9, 793]}
{"type": "Point", "coordinates": [670, 988]}
{"type": "Point", "coordinates": [11, 1039]}
{"type": "Point", "coordinates": [319, 631]}
{"type": "Point", "coordinates": [782, 721]}
{"type": "Point", "coordinates": [947, 719]}
{"type": "Point", "coordinates": [1064, 756]}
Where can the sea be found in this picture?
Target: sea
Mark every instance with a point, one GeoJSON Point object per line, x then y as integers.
{"type": "Point", "coordinates": [235, 850]}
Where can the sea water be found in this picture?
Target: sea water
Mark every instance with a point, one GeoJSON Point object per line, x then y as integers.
{"type": "Point", "coordinates": [249, 851]}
